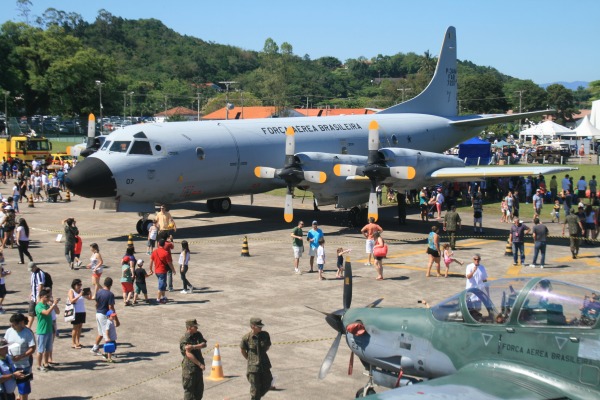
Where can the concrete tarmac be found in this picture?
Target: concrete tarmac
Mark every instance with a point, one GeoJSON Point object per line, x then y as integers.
{"type": "Point", "coordinates": [231, 289]}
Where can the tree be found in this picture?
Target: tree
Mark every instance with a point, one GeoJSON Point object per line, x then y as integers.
{"type": "Point", "coordinates": [561, 99]}
{"type": "Point", "coordinates": [525, 95]}
{"type": "Point", "coordinates": [481, 94]}
{"type": "Point", "coordinates": [594, 89]}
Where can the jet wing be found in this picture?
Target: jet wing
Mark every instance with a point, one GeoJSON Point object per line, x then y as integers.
{"type": "Point", "coordinates": [481, 382]}
{"type": "Point", "coordinates": [489, 119]}
{"type": "Point", "coordinates": [467, 174]}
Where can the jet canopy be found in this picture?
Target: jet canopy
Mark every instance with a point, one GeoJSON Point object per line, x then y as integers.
{"type": "Point", "coordinates": [524, 302]}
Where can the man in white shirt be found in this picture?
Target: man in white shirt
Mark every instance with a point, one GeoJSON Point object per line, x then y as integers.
{"type": "Point", "coordinates": [476, 275]}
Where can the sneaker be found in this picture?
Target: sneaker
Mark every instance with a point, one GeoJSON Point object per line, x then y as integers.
{"type": "Point", "coordinates": [532, 266]}
{"type": "Point", "coordinates": [368, 264]}
{"type": "Point", "coordinates": [94, 350]}
{"type": "Point", "coordinates": [170, 289]}
{"type": "Point", "coordinates": [148, 253]}
{"type": "Point", "coordinates": [79, 263]}
{"type": "Point", "coordinates": [296, 270]}
{"type": "Point", "coordinates": [71, 265]}
{"type": "Point", "coordinates": [191, 289]}
{"type": "Point", "coordinates": [542, 266]}
{"type": "Point", "coordinates": [514, 264]}
{"type": "Point", "coordinates": [183, 291]}
{"type": "Point", "coordinates": [42, 369]}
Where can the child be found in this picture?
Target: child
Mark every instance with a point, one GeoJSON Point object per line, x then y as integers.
{"type": "Point", "coordinates": [77, 251]}
{"type": "Point", "coordinates": [3, 274]}
{"type": "Point", "coordinates": [184, 260]}
{"type": "Point", "coordinates": [140, 281]}
{"type": "Point", "coordinates": [126, 281]}
{"type": "Point", "coordinates": [152, 233]}
{"type": "Point", "coordinates": [449, 258]}
{"type": "Point", "coordinates": [110, 336]}
{"type": "Point", "coordinates": [504, 211]}
{"type": "Point", "coordinates": [340, 261]}
{"type": "Point", "coordinates": [556, 211]}
{"type": "Point", "coordinates": [321, 258]}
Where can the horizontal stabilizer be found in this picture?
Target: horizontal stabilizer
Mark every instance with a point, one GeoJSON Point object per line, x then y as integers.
{"type": "Point", "coordinates": [485, 120]}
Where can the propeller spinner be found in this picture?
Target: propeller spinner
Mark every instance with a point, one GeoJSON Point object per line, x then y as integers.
{"type": "Point", "coordinates": [376, 169]}
{"type": "Point", "coordinates": [292, 173]}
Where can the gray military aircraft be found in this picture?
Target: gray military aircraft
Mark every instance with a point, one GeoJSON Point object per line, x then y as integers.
{"type": "Point", "coordinates": [515, 338]}
{"type": "Point", "coordinates": [142, 165]}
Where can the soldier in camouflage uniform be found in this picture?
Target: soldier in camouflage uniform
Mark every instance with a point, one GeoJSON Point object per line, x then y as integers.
{"type": "Point", "coordinates": [192, 365]}
{"type": "Point", "coordinates": [254, 346]}
{"type": "Point", "coordinates": [451, 225]}
{"type": "Point", "coordinates": [575, 228]}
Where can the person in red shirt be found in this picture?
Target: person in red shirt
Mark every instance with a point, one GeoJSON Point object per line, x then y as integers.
{"type": "Point", "coordinates": [160, 264]}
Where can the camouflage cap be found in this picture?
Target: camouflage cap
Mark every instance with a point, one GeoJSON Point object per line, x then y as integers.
{"type": "Point", "coordinates": [191, 322]}
{"type": "Point", "coordinates": [256, 322]}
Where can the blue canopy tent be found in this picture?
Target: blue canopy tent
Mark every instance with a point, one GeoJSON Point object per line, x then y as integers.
{"type": "Point", "coordinates": [475, 152]}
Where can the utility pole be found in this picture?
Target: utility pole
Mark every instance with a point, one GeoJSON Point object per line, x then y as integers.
{"type": "Point", "coordinates": [520, 106]}
{"type": "Point", "coordinates": [198, 99]}
{"type": "Point", "coordinates": [227, 83]}
{"type": "Point", "coordinates": [100, 84]}
{"type": "Point", "coordinates": [131, 106]}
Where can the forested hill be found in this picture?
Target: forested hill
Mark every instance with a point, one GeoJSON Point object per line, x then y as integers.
{"type": "Point", "coordinates": [60, 64]}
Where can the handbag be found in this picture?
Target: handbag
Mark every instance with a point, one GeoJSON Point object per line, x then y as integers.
{"type": "Point", "coordinates": [69, 312]}
{"type": "Point", "coordinates": [380, 251]}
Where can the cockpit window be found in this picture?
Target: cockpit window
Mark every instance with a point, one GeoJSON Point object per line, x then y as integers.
{"type": "Point", "coordinates": [141, 147]}
{"type": "Point", "coordinates": [120, 146]}
{"type": "Point", "coordinates": [559, 304]}
{"type": "Point", "coordinates": [106, 144]}
{"type": "Point", "coordinates": [448, 310]}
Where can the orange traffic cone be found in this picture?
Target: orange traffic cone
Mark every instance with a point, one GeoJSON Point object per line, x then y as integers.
{"type": "Point", "coordinates": [216, 371]}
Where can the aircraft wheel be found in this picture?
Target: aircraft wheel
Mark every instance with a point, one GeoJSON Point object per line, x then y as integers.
{"type": "Point", "coordinates": [360, 392]}
{"type": "Point", "coordinates": [223, 205]}
{"type": "Point", "coordinates": [550, 160]}
{"type": "Point", "coordinates": [138, 227]}
{"type": "Point", "coordinates": [530, 159]}
{"type": "Point", "coordinates": [353, 216]}
{"type": "Point", "coordinates": [210, 204]}
{"type": "Point", "coordinates": [146, 226]}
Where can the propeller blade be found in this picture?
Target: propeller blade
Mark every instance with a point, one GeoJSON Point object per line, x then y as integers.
{"type": "Point", "coordinates": [347, 299]}
{"type": "Point", "coordinates": [314, 309]}
{"type": "Point", "coordinates": [328, 361]}
{"type": "Point", "coordinates": [351, 363]}
{"type": "Point", "coordinates": [290, 142]}
{"type": "Point", "coordinates": [403, 172]}
{"type": "Point", "coordinates": [373, 210]}
{"type": "Point", "coordinates": [265, 172]}
{"type": "Point", "coordinates": [345, 169]}
{"type": "Point", "coordinates": [373, 136]}
{"type": "Point", "coordinates": [288, 212]}
{"type": "Point", "coordinates": [315, 176]}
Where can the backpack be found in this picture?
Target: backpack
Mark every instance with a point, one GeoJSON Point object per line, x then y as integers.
{"type": "Point", "coordinates": [47, 280]}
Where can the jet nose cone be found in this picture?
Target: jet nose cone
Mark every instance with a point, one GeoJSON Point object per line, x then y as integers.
{"type": "Point", "coordinates": [91, 178]}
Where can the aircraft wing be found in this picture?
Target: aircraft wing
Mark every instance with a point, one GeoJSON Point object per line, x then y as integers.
{"type": "Point", "coordinates": [467, 174]}
{"type": "Point", "coordinates": [485, 120]}
{"type": "Point", "coordinates": [481, 382]}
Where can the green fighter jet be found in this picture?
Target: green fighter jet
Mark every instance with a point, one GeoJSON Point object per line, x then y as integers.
{"type": "Point", "coordinates": [519, 338]}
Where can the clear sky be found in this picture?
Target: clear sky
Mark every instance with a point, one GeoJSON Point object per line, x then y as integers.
{"type": "Point", "coordinates": [545, 41]}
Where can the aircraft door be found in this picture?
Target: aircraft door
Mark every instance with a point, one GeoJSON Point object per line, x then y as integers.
{"type": "Point", "coordinates": [226, 155]}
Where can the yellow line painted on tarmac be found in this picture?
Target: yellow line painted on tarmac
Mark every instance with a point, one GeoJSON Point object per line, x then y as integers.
{"type": "Point", "coordinates": [420, 251]}
{"type": "Point", "coordinates": [515, 270]}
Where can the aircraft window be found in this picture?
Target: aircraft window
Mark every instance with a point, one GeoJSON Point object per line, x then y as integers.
{"type": "Point", "coordinates": [140, 135]}
{"type": "Point", "coordinates": [560, 304]}
{"type": "Point", "coordinates": [448, 310]}
{"type": "Point", "coordinates": [394, 140]}
{"type": "Point", "coordinates": [344, 150]}
{"type": "Point", "coordinates": [158, 147]}
{"type": "Point", "coordinates": [120, 146]}
{"type": "Point", "coordinates": [200, 153]}
{"type": "Point", "coordinates": [106, 144]}
{"type": "Point", "coordinates": [141, 147]}
{"type": "Point", "coordinates": [502, 294]}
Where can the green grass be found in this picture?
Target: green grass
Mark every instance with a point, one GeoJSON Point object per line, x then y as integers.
{"type": "Point", "coordinates": [61, 147]}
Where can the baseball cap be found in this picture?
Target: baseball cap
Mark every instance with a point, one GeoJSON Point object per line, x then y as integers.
{"type": "Point", "coordinates": [31, 266]}
{"type": "Point", "coordinates": [315, 222]}
{"type": "Point", "coordinates": [125, 260]}
{"type": "Point", "coordinates": [191, 322]}
{"type": "Point", "coordinates": [111, 312]}
{"type": "Point", "coordinates": [140, 262]}
{"type": "Point", "coordinates": [256, 321]}
{"type": "Point", "coordinates": [8, 208]}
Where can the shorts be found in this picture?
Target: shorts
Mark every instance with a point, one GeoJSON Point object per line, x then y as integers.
{"type": "Point", "coordinates": [96, 275]}
{"type": "Point", "coordinates": [369, 246]}
{"type": "Point", "coordinates": [312, 251]}
{"type": "Point", "coordinates": [127, 287]}
{"type": "Point", "coordinates": [478, 220]}
{"type": "Point", "coordinates": [433, 252]}
{"type": "Point", "coordinates": [140, 288]}
{"type": "Point", "coordinates": [320, 266]}
{"type": "Point", "coordinates": [588, 225]}
{"type": "Point", "coordinates": [162, 282]}
{"type": "Point", "coordinates": [76, 255]}
{"type": "Point", "coordinates": [101, 319]}
{"type": "Point", "coordinates": [298, 251]}
{"type": "Point", "coordinates": [31, 310]}
{"type": "Point", "coordinates": [379, 258]}
{"type": "Point", "coordinates": [24, 386]}
{"type": "Point", "coordinates": [44, 343]}
{"type": "Point", "coordinates": [340, 266]}
{"type": "Point", "coordinates": [79, 318]}
{"type": "Point", "coordinates": [2, 291]}
{"type": "Point", "coordinates": [151, 242]}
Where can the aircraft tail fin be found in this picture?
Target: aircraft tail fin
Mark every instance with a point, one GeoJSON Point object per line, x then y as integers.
{"type": "Point", "coordinates": [440, 96]}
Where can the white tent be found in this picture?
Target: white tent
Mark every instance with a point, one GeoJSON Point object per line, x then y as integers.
{"type": "Point", "coordinates": [595, 115]}
{"type": "Point", "coordinates": [585, 129]}
{"type": "Point", "coordinates": [547, 130]}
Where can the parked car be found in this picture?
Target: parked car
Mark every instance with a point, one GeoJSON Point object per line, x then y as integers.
{"type": "Point", "coordinates": [558, 152]}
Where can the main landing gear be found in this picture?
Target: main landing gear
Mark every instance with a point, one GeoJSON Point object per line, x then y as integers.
{"type": "Point", "coordinates": [221, 206]}
{"type": "Point", "coordinates": [144, 224]}
{"type": "Point", "coordinates": [357, 216]}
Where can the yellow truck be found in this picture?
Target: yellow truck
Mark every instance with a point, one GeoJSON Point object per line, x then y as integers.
{"type": "Point", "coordinates": [25, 148]}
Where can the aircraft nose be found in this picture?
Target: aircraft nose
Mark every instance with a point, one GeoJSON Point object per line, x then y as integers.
{"type": "Point", "coordinates": [91, 178]}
